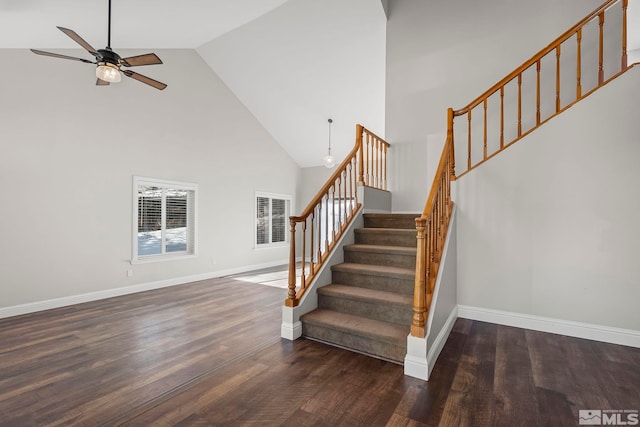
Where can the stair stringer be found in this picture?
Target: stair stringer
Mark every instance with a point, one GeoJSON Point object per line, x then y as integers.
{"type": "Point", "coordinates": [373, 200]}
{"type": "Point", "coordinates": [423, 352]}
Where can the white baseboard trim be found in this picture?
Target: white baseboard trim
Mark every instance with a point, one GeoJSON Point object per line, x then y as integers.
{"type": "Point", "coordinates": [420, 360]}
{"type": "Point", "coordinates": [416, 367]}
{"type": "Point", "coordinates": [441, 339]}
{"type": "Point", "coordinates": [588, 331]}
{"type": "Point", "coordinates": [33, 307]}
{"type": "Point", "coordinates": [291, 331]}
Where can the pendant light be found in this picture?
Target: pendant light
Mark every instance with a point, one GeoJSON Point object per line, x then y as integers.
{"type": "Point", "coordinates": [328, 160]}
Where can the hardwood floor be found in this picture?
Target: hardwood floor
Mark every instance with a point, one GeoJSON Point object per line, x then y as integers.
{"type": "Point", "coordinates": [210, 354]}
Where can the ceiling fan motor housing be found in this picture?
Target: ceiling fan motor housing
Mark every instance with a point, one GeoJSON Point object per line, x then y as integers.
{"type": "Point", "coordinates": [109, 56]}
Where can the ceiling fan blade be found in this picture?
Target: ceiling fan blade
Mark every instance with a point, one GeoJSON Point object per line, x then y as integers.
{"type": "Point", "coordinates": [100, 82]}
{"type": "Point", "coordinates": [57, 55]}
{"type": "Point", "coordinates": [144, 79]}
{"type": "Point", "coordinates": [146, 59]}
{"type": "Point", "coordinates": [76, 38]}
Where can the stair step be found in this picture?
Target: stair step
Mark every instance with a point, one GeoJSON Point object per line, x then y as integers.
{"type": "Point", "coordinates": [379, 277]}
{"type": "Point", "coordinates": [386, 236]}
{"type": "Point", "coordinates": [393, 256]}
{"type": "Point", "coordinates": [385, 220]}
{"type": "Point", "coordinates": [373, 337]}
{"type": "Point", "coordinates": [373, 304]}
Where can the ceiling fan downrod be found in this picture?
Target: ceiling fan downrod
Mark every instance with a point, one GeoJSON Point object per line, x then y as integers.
{"type": "Point", "coordinates": [109, 28]}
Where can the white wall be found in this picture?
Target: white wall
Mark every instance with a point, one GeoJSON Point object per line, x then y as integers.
{"type": "Point", "coordinates": [444, 54]}
{"type": "Point", "coordinates": [303, 63]}
{"type": "Point", "coordinates": [69, 149]}
{"type": "Point", "coordinates": [550, 226]}
{"type": "Point", "coordinates": [312, 179]}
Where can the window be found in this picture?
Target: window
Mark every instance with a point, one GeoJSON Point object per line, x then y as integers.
{"type": "Point", "coordinates": [272, 217]}
{"type": "Point", "coordinates": [164, 219]}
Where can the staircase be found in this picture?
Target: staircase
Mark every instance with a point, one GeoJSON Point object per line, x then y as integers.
{"type": "Point", "coordinates": [368, 306]}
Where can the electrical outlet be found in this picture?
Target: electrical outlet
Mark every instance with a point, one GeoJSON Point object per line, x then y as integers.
{"type": "Point", "coordinates": [129, 273]}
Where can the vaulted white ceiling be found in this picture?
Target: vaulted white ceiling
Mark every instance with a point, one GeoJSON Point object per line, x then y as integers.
{"type": "Point", "coordinates": [135, 23]}
{"type": "Point", "coordinates": [293, 63]}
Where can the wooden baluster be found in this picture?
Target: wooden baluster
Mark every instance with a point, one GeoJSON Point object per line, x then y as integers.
{"type": "Point", "coordinates": [379, 164]}
{"type": "Point", "coordinates": [430, 258]}
{"type": "Point", "coordinates": [320, 232]}
{"type": "Point", "coordinates": [419, 303]}
{"type": "Point", "coordinates": [601, 49]}
{"type": "Point", "coordinates": [438, 217]}
{"type": "Point", "coordinates": [452, 154]}
{"type": "Point", "coordinates": [354, 189]}
{"type": "Point", "coordinates": [469, 140]}
{"type": "Point", "coordinates": [291, 293]}
{"type": "Point", "coordinates": [579, 64]}
{"type": "Point", "coordinates": [558, 79]}
{"type": "Point", "coordinates": [502, 117]}
{"type": "Point", "coordinates": [303, 277]}
{"type": "Point", "coordinates": [538, 92]}
{"type": "Point", "coordinates": [343, 203]}
{"type": "Point", "coordinates": [485, 129]}
{"type": "Point", "coordinates": [625, 4]}
{"type": "Point", "coordinates": [326, 223]}
{"type": "Point", "coordinates": [377, 161]}
{"type": "Point", "coordinates": [333, 213]}
{"type": "Point", "coordinates": [360, 153]}
{"type": "Point", "coordinates": [367, 178]}
{"type": "Point", "coordinates": [370, 177]}
{"type": "Point", "coordinates": [311, 247]}
{"type": "Point", "coordinates": [385, 166]}
{"type": "Point", "coordinates": [519, 105]}
{"type": "Point", "coordinates": [351, 187]}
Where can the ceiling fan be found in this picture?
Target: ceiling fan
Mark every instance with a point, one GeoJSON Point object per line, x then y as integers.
{"type": "Point", "coordinates": [108, 62]}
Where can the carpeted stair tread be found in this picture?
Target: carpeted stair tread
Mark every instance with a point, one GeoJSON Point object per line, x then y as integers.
{"type": "Point", "coordinates": [399, 250]}
{"type": "Point", "coordinates": [360, 326]}
{"type": "Point", "coordinates": [385, 220]}
{"type": "Point", "coordinates": [386, 230]}
{"type": "Point", "coordinates": [386, 236]}
{"type": "Point", "coordinates": [375, 270]}
{"type": "Point", "coordinates": [364, 294]}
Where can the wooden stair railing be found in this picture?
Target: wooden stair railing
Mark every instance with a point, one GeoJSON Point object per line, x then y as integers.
{"type": "Point", "coordinates": [494, 98]}
{"type": "Point", "coordinates": [432, 227]}
{"type": "Point", "coordinates": [433, 224]}
{"type": "Point", "coordinates": [329, 213]}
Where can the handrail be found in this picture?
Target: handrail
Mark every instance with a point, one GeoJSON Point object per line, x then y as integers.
{"type": "Point", "coordinates": [332, 209]}
{"type": "Point", "coordinates": [536, 60]}
{"type": "Point", "coordinates": [432, 227]}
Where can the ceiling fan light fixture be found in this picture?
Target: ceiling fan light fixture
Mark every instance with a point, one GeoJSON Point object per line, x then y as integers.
{"type": "Point", "coordinates": [108, 72]}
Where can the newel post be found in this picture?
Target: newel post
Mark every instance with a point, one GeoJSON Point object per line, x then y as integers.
{"type": "Point", "coordinates": [418, 327]}
{"type": "Point", "coordinates": [291, 300]}
{"type": "Point", "coordinates": [360, 154]}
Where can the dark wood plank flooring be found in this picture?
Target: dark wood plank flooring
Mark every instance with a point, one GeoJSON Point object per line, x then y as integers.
{"type": "Point", "coordinates": [210, 354]}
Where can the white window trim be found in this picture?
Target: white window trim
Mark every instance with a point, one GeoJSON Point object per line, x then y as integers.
{"type": "Point", "coordinates": [141, 180]}
{"type": "Point", "coordinates": [286, 197]}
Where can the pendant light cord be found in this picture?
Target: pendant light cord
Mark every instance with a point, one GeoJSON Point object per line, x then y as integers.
{"type": "Point", "coordinates": [330, 121]}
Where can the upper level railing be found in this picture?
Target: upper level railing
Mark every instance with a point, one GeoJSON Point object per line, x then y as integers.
{"type": "Point", "coordinates": [593, 63]}
{"type": "Point", "coordinates": [571, 67]}
{"type": "Point", "coordinates": [315, 232]}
